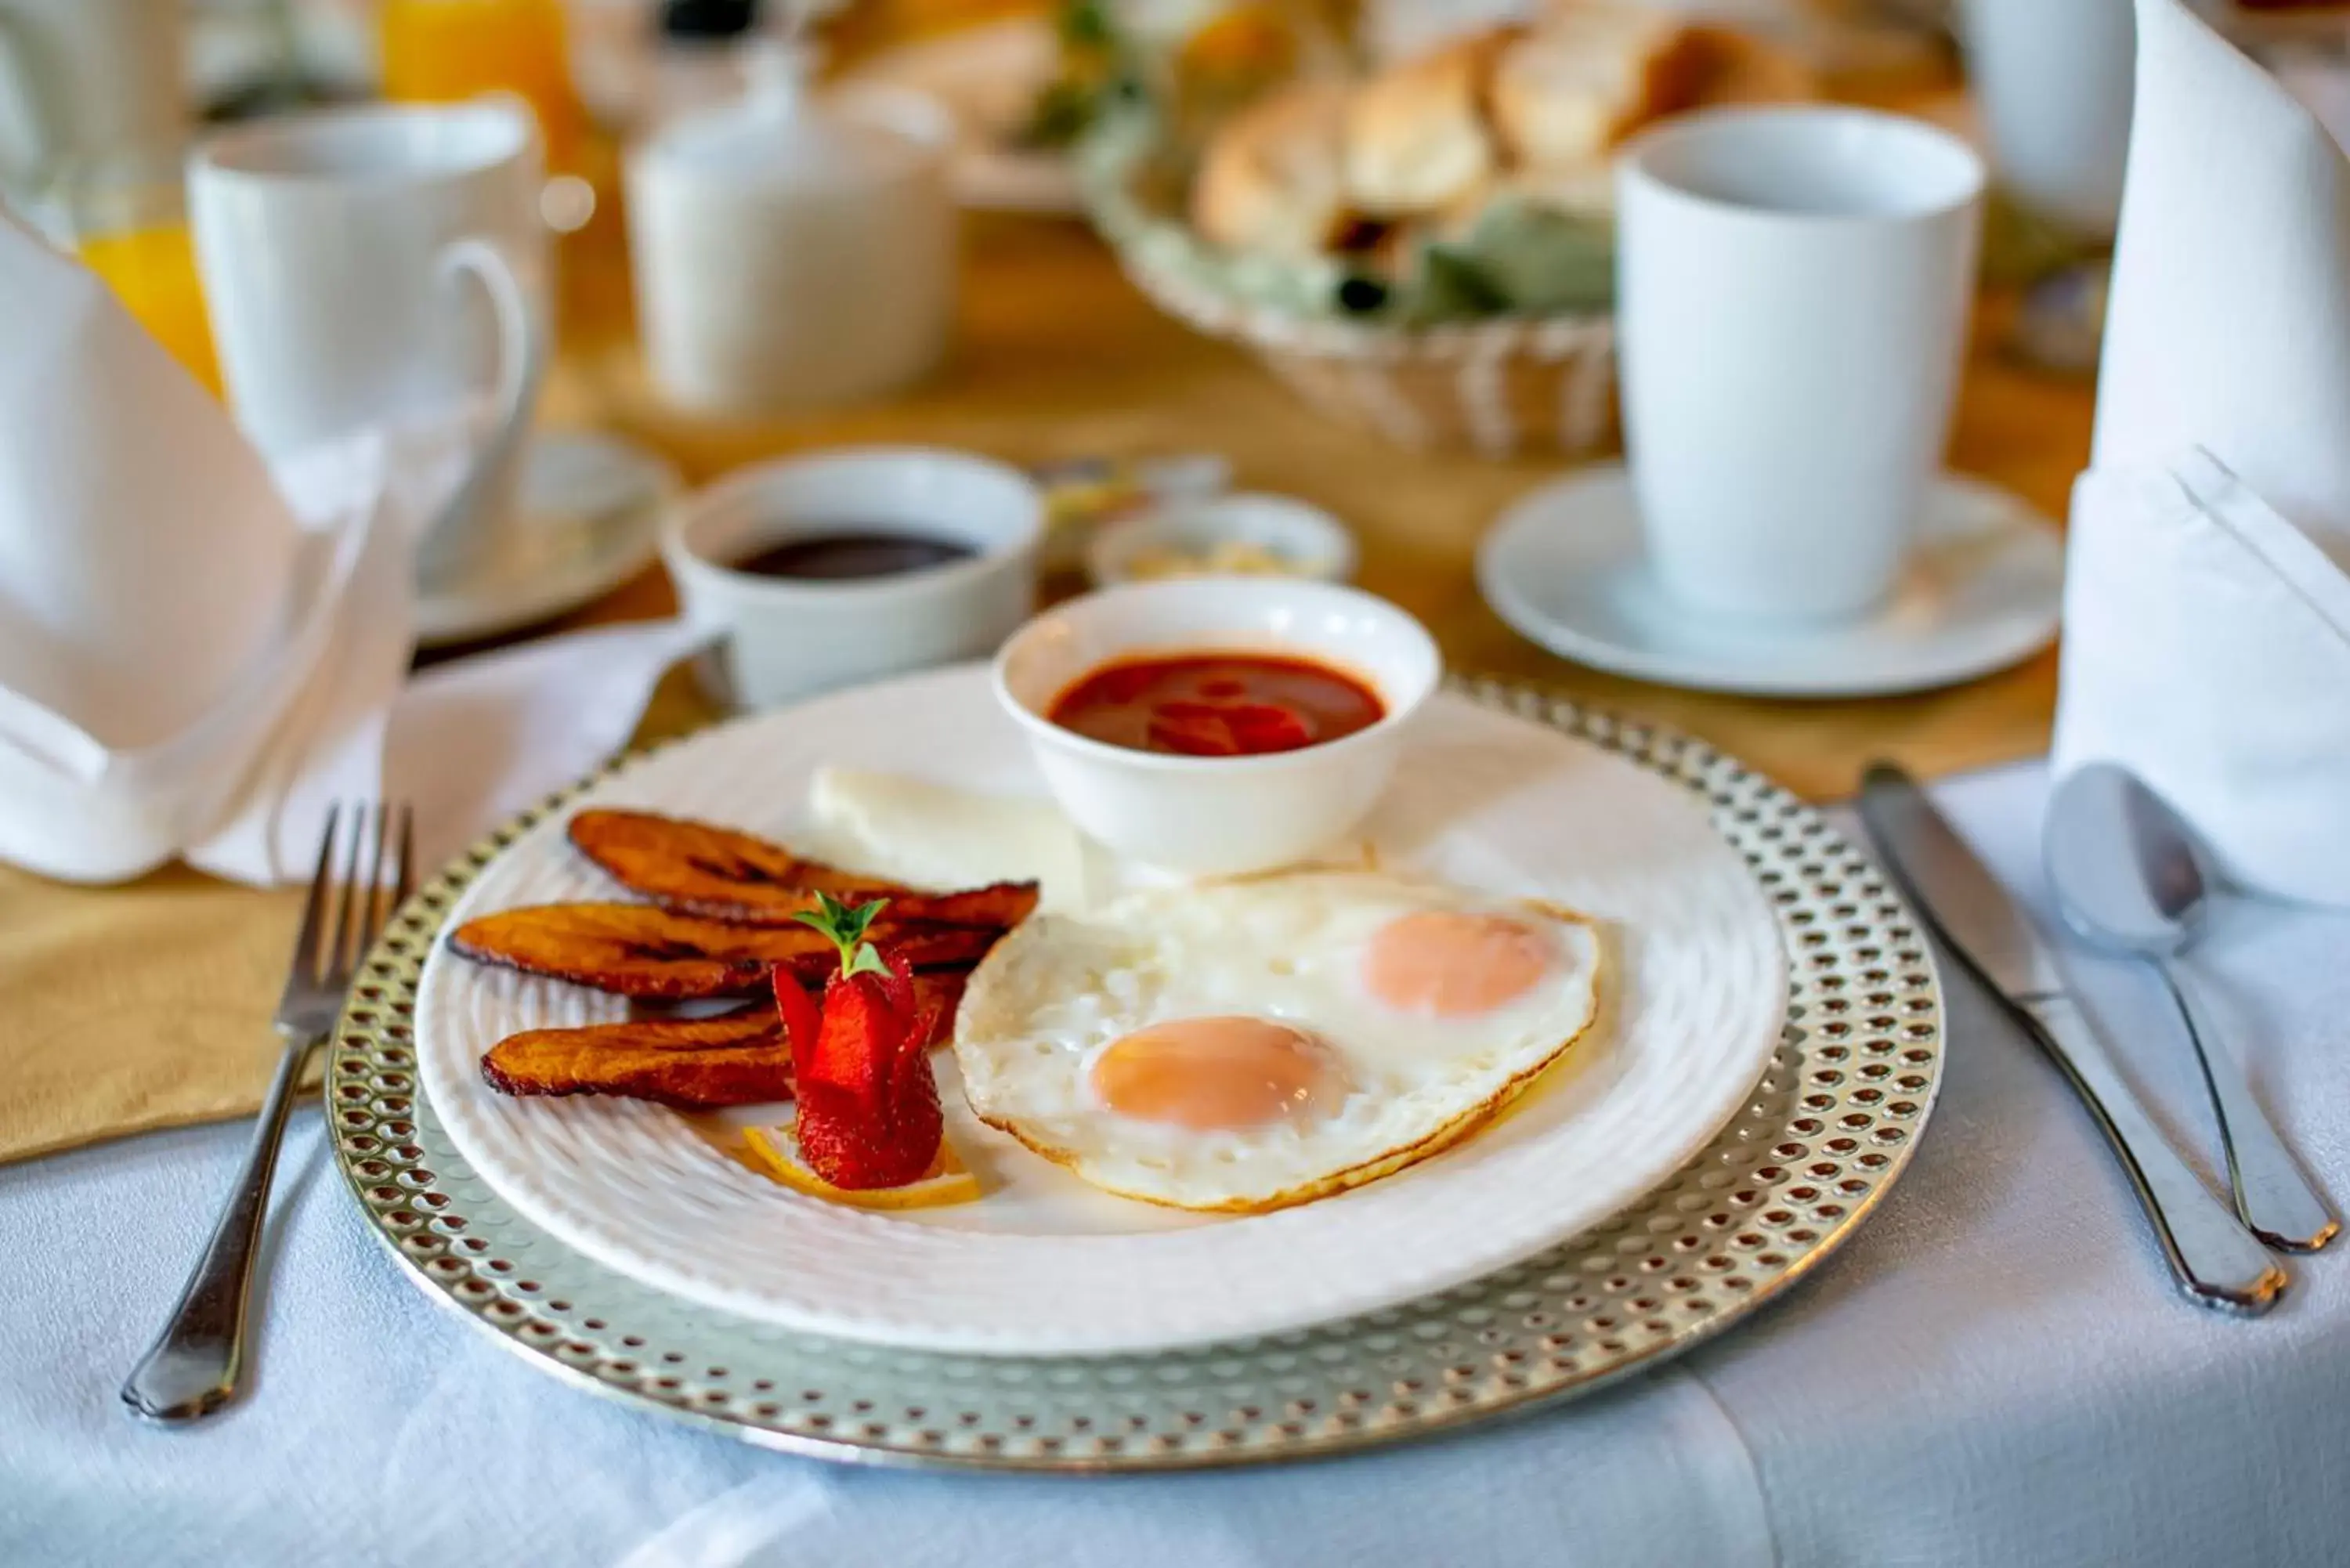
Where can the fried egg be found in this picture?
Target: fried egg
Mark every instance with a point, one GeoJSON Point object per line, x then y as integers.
{"type": "Point", "coordinates": [1244, 1045]}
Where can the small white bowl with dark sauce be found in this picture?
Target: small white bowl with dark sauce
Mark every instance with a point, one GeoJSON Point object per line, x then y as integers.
{"type": "Point", "coordinates": [844, 567]}
{"type": "Point", "coordinates": [1218, 726]}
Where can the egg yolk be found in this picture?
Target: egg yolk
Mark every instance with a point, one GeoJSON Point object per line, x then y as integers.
{"type": "Point", "coordinates": [1449, 964]}
{"type": "Point", "coordinates": [1214, 1075]}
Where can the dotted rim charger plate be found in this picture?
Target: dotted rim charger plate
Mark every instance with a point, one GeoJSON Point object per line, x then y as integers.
{"type": "Point", "coordinates": [1829, 1126]}
{"type": "Point", "coordinates": [1693, 992]}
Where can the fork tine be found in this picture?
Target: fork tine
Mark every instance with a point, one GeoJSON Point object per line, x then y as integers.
{"type": "Point", "coordinates": [364, 892]}
{"type": "Point", "coordinates": [337, 962]}
{"type": "Point", "coordinates": [314, 907]}
{"type": "Point", "coordinates": [406, 882]}
{"type": "Point", "coordinates": [373, 926]}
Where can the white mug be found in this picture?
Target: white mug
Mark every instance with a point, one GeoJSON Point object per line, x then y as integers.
{"type": "Point", "coordinates": [381, 265]}
{"type": "Point", "coordinates": [787, 638]}
{"type": "Point", "coordinates": [791, 253]}
{"type": "Point", "coordinates": [86, 82]}
{"type": "Point", "coordinates": [2055, 78]}
{"type": "Point", "coordinates": [1793, 288]}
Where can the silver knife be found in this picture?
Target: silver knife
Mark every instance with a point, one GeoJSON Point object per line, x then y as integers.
{"type": "Point", "coordinates": [2218, 1261]}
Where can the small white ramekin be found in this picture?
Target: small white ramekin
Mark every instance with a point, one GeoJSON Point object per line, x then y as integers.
{"type": "Point", "coordinates": [786, 640]}
{"type": "Point", "coordinates": [1218, 815]}
{"type": "Point", "coordinates": [1313, 542]}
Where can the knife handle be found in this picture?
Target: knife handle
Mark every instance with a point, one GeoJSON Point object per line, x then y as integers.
{"type": "Point", "coordinates": [2219, 1263]}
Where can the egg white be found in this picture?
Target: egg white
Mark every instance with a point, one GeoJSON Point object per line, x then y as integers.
{"type": "Point", "coordinates": [1059, 990]}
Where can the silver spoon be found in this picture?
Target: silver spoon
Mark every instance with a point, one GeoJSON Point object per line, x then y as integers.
{"type": "Point", "coordinates": [2132, 878]}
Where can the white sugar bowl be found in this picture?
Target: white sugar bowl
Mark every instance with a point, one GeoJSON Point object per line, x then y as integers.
{"type": "Point", "coordinates": [793, 249]}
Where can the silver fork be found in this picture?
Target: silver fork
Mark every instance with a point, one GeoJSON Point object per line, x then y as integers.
{"type": "Point", "coordinates": [192, 1370]}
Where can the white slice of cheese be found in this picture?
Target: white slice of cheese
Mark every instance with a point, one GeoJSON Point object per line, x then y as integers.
{"type": "Point", "coordinates": [935, 835]}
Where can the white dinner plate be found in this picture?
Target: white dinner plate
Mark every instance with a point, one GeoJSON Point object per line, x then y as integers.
{"type": "Point", "coordinates": [989, 78]}
{"type": "Point", "coordinates": [1693, 1004]}
{"type": "Point", "coordinates": [1984, 589]}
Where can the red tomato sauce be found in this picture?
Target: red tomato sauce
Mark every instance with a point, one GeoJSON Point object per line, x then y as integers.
{"type": "Point", "coordinates": [1216, 704]}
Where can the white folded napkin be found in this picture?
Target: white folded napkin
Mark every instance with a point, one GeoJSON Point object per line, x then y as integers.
{"type": "Point", "coordinates": [145, 551]}
{"type": "Point", "coordinates": [471, 743]}
{"type": "Point", "coordinates": [181, 631]}
{"type": "Point", "coordinates": [199, 654]}
{"type": "Point", "coordinates": [2206, 616]}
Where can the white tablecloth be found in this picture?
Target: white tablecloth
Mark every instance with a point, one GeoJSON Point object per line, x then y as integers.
{"type": "Point", "coordinates": [1994, 1372]}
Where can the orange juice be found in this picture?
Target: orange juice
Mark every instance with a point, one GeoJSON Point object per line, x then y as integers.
{"type": "Point", "coordinates": [445, 51]}
{"type": "Point", "coordinates": [152, 271]}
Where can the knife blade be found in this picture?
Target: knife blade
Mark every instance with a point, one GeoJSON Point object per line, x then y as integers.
{"type": "Point", "coordinates": [2216, 1261]}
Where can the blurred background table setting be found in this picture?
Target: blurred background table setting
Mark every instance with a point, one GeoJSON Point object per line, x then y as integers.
{"type": "Point", "coordinates": [1811, 437]}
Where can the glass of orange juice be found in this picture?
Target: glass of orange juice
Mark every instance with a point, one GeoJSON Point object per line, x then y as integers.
{"type": "Point", "coordinates": [130, 225]}
{"type": "Point", "coordinates": [445, 51]}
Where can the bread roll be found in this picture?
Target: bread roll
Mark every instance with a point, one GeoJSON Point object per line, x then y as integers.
{"type": "Point", "coordinates": [1583, 190]}
{"type": "Point", "coordinates": [1417, 136]}
{"type": "Point", "coordinates": [1587, 76]}
{"type": "Point", "coordinates": [1271, 181]}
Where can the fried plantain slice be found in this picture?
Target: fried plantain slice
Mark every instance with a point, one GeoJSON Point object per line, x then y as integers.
{"type": "Point", "coordinates": [641, 951]}
{"type": "Point", "coordinates": [739, 1058]}
{"type": "Point", "coordinates": [701, 869]}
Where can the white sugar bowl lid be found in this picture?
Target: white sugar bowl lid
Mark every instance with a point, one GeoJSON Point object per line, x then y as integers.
{"type": "Point", "coordinates": [783, 134]}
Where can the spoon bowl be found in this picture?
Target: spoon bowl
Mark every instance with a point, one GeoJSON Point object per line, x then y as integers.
{"type": "Point", "coordinates": [2132, 878]}
{"type": "Point", "coordinates": [2128, 872]}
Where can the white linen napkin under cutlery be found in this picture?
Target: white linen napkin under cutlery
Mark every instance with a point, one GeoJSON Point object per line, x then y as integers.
{"type": "Point", "coordinates": [2205, 662]}
{"type": "Point", "coordinates": [2206, 614]}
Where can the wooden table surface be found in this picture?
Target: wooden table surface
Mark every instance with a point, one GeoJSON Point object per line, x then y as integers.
{"type": "Point", "coordinates": [1058, 356]}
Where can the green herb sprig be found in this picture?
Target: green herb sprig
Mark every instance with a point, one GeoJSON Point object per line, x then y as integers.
{"type": "Point", "coordinates": [847, 926]}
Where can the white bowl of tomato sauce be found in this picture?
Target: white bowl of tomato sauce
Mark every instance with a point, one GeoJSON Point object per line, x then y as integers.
{"type": "Point", "coordinates": [1218, 726]}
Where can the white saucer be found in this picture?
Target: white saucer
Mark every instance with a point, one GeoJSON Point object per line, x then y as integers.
{"type": "Point", "coordinates": [1564, 568]}
{"type": "Point", "coordinates": [590, 514]}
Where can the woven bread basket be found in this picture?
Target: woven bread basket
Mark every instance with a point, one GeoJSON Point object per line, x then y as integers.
{"type": "Point", "coordinates": [1491, 384]}
{"type": "Point", "coordinates": [1496, 387]}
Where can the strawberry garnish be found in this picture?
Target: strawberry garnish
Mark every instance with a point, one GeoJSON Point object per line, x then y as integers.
{"type": "Point", "coordinates": [867, 1111]}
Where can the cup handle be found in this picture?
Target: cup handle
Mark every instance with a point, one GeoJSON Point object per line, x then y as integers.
{"type": "Point", "coordinates": [522, 367]}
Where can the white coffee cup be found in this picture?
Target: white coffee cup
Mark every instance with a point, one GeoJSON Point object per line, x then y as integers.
{"type": "Point", "coordinates": [381, 265]}
{"type": "Point", "coordinates": [2055, 78]}
{"type": "Point", "coordinates": [786, 638]}
{"type": "Point", "coordinates": [1793, 288]}
{"type": "Point", "coordinates": [86, 83]}
{"type": "Point", "coordinates": [791, 250]}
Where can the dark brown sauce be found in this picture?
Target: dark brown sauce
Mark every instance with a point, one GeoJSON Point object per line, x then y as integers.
{"type": "Point", "coordinates": [852, 554]}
